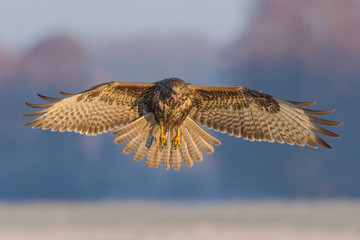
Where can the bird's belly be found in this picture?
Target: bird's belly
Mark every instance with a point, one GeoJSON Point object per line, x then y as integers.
{"type": "Point", "coordinates": [171, 115]}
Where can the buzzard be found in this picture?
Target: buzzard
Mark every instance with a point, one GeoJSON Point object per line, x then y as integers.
{"type": "Point", "coordinates": [160, 121]}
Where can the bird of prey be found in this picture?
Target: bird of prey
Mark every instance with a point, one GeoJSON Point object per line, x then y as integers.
{"type": "Point", "coordinates": [160, 121]}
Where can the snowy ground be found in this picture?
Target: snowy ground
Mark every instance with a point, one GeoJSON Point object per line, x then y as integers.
{"type": "Point", "coordinates": [181, 220]}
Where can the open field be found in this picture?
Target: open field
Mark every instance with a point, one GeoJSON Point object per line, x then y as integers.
{"type": "Point", "coordinates": [181, 220]}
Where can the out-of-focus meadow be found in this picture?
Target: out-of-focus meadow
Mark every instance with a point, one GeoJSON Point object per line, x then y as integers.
{"type": "Point", "coordinates": [178, 220]}
{"type": "Point", "coordinates": [299, 50]}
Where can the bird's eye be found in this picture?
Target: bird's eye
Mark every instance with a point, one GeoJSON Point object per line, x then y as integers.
{"type": "Point", "coordinates": [175, 90]}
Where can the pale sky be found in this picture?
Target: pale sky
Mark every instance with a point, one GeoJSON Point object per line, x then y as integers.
{"type": "Point", "coordinates": [25, 22]}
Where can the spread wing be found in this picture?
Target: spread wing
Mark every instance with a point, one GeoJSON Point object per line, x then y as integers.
{"type": "Point", "coordinates": [254, 115]}
{"type": "Point", "coordinates": [97, 110]}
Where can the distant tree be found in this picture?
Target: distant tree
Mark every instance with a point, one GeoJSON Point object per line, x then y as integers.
{"type": "Point", "coordinates": [56, 61]}
{"type": "Point", "coordinates": [297, 41]}
{"type": "Point", "coordinates": [6, 65]}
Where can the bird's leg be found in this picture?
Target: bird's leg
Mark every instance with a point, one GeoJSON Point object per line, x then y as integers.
{"type": "Point", "coordinates": [162, 136]}
{"type": "Point", "coordinates": [176, 139]}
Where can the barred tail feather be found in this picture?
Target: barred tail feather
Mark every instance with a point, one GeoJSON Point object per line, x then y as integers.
{"type": "Point", "coordinates": [193, 149]}
{"type": "Point", "coordinates": [201, 137]}
{"type": "Point", "coordinates": [167, 151]}
{"type": "Point", "coordinates": [142, 137]}
{"type": "Point", "coordinates": [135, 134]}
{"type": "Point", "coordinates": [132, 129]}
{"type": "Point", "coordinates": [141, 150]}
{"type": "Point", "coordinates": [151, 155]}
{"type": "Point", "coordinates": [185, 153]}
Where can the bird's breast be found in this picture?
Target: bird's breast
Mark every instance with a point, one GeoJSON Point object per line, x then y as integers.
{"type": "Point", "coordinates": [172, 113]}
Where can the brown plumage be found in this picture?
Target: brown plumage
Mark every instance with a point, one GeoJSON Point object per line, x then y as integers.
{"type": "Point", "coordinates": [159, 121]}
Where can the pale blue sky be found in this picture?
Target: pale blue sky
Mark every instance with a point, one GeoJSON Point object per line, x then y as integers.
{"type": "Point", "coordinates": [25, 22]}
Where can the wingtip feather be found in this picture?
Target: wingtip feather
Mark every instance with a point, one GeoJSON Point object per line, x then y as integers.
{"type": "Point", "coordinates": [323, 121]}
{"type": "Point", "coordinates": [35, 113]}
{"type": "Point", "coordinates": [49, 98]}
{"type": "Point", "coordinates": [39, 105]}
{"type": "Point", "coordinates": [66, 94]}
{"type": "Point", "coordinates": [29, 123]}
{"type": "Point", "coordinates": [302, 103]}
{"type": "Point", "coordinates": [317, 112]}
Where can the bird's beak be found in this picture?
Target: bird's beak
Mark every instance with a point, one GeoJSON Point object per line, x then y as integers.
{"type": "Point", "coordinates": [175, 94]}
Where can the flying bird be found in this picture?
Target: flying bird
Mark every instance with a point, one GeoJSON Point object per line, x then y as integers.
{"type": "Point", "coordinates": [160, 121]}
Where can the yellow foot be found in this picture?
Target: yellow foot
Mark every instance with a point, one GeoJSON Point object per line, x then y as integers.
{"type": "Point", "coordinates": [162, 137]}
{"type": "Point", "coordinates": [162, 140]}
{"type": "Point", "coordinates": [176, 139]}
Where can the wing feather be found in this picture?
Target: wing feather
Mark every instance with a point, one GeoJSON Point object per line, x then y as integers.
{"type": "Point", "coordinates": [254, 115]}
{"type": "Point", "coordinates": [97, 110]}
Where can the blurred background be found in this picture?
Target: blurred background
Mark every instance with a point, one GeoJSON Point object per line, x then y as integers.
{"type": "Point", "coordinates": [299, 50]}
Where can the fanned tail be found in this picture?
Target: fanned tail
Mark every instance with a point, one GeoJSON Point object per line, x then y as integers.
{"type": "Point", "coordinates": [135, 134]}
{"type": "Point", "coordinates": [200, 137]}
{"type": "Point", "coordinates": [142, 137]}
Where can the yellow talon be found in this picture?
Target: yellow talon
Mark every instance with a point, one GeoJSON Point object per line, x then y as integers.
{"type": "Point", "coordinates": [162, 137]}
{"type": "Point", "coordinates": [176, 139]}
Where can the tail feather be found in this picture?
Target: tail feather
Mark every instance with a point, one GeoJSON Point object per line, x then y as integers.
{"type": "Point", "coordinates": [203, 138]}
{"type": "Point", "coordinates": [194, 150]}
{"type": "Point", "coordinates": [141, 150]}
{"type": "Point", "coordinates": [142, 137]}
{"type": "Point", "coordinates": [129, 131]}
{"type": "Point", "coordinates": [200, 142]}
{"type": "Point", "coordinates": [150, 139]}
{"type": "Point", "coordinates": [185, 153]}
{"type": "Point", "coordinates": [135, 124]}
{"type": "Point", "coordinates": [134, 143]}
{"type": "Point", "coordinates": [175, 159]}
{"type": "Point", "coordinates": [126, 137]}
{"type": "Point", "coordinates": [159, 156]}
{"type": "Point", "coordinates": [135, 134]}
{"type": "Point", "coordinates": [151, 155]}
{"type": "Point", "coordinates": [167, 151]}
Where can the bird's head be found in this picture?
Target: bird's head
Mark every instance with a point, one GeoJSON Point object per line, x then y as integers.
{"type": "Point", "coordinates": [176, 87]}
{"type": "Point", "coordinates": [175, 93]}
